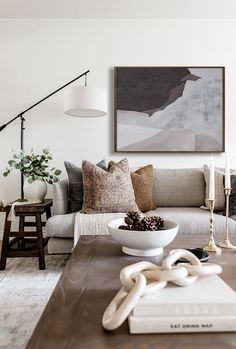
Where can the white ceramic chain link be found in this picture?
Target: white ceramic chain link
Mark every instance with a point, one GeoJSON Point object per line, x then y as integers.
{"type": "Point", "coordinates": [145, 278]}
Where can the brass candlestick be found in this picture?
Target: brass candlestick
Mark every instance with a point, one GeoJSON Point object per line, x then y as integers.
{"type": "Point", "coordinates": [226, 243]}
{"type": "Point", "coordinates": [211, 246]}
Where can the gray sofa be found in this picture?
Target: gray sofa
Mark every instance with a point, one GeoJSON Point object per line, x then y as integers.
{"type": "Point", "coordinates": [178, 195]}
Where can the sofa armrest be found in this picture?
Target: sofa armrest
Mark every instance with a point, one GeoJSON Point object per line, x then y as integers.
{"type": "Point", "coordinates": [60, 197]}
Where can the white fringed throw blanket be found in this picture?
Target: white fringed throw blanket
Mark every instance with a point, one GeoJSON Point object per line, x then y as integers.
{"type": "Point", "coordinates": [93, 224]}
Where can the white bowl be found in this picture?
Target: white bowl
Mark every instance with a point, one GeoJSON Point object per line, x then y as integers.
{"type": "Point", "coordinates": [142, 243]}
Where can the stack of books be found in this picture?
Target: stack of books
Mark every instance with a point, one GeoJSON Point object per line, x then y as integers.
{"type": "Point", "coordinates": [208, 305]}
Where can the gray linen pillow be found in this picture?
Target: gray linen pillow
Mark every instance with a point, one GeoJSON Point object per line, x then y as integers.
{"type": "Point", "coordinates": [75, 192]}
{"type": "Point", "coordinates": [232, 197]}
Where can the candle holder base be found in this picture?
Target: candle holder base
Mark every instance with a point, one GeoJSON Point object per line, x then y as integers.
{"type": "Point", "coordinates": [226, 244]}
{"type": "Point", "coordinates": [212, 247]}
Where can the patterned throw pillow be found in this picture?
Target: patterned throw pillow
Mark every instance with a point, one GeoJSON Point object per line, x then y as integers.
{"type": "Point", "coordinates": [75, 177]}
{"type": "Point", "coordinates": [142, 181]}
{"type": "Point", "coordinates": [108, 191]}
{"type": "Point", "coordinates": [219, 187]}
{"type": "Point", "coordinates": [232, 197]}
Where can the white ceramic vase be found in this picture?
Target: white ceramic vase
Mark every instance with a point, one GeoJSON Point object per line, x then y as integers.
{"type": "Point", "coordinates": [35, 191]}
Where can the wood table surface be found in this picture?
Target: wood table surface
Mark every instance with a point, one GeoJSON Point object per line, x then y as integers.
{"type": "Point", "coordinates": [73, 315]}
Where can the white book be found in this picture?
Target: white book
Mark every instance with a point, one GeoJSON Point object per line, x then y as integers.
{"type": "Point", "coordinates": [182, 324]}
{"type": "Point", "coordinates": [209, 295]}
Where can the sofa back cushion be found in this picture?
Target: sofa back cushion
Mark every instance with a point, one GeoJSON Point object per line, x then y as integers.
{"type": "Point", "coordinates": [179, 187]}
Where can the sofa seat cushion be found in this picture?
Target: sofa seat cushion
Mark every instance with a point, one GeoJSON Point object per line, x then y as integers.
{"type": "Point", "coordinates": [193, 220]}
{"type": "Point", "coordinates": [61, 226]}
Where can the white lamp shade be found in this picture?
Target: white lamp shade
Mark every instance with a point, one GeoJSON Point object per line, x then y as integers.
{"type": "Point", "coordinates": [85, 101]}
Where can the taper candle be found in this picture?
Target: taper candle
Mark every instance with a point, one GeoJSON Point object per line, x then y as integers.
{"type": "Point", "coordinates": [212, 181]}
{"type": "Point", "coordinates": [227, 169]}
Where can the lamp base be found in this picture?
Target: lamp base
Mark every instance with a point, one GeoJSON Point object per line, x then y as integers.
{"type": "Point", "coordinates": [226, 244]}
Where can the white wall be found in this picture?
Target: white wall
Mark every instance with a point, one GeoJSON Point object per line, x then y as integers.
{"type": "Point", "coordinates": [37, 56]}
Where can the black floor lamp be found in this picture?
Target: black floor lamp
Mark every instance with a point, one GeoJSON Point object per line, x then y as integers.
{"type": "Point", "coordinates": [84, 101]}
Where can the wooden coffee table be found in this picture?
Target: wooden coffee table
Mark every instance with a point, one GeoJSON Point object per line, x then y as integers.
{"type": "Point", "coordinates": [73, 315]}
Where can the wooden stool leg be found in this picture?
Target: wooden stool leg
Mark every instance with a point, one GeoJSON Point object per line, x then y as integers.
{"type": "Point", "coordinates": [40, 241]}
{"type": "Point", "coordinates": [21, 230]}
{"type": "Point", "coordinates": [5, 242]}
{"type": "Point", "coordinates": [48, 212]}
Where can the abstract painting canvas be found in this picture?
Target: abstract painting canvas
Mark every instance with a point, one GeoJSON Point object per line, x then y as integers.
{"type": "Point", "coordinates": [169, 109]}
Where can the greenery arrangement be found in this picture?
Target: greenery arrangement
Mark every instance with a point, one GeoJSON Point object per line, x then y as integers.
{"type": "Point", "coordinates": [33, 166]}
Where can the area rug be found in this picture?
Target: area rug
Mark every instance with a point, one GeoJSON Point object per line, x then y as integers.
{"type": "Point", "coordinates": [24, 293]}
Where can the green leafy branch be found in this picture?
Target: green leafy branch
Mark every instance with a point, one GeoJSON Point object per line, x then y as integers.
{"type": "Point", "coordinates": [33, 166]}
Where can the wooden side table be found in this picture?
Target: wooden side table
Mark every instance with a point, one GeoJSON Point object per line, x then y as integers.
{"type": "Point", "coordinates": [17, 246]}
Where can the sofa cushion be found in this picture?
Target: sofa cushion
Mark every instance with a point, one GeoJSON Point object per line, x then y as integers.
{"type": "Point", "coordinates": [142, 181]}
{"type": "Point", "coordinates": [75, 191]}
{"type": "Point", "coordinates": [179, 187]}
{"type": "Point", "coordinates": [232, 197]}
{"type": "Point", "coordinates": [108, 191]}
{"type": "Point", "coordinates": [60, 246]}
{"type": "Point", "coordinates": [61, 226]}
{"type": "Point", "coordinates": [193, 220]}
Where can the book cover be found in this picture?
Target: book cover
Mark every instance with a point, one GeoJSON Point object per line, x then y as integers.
{"type": "Point", "coordinates": [209, 295]}
{"type": "Point", "coordinates": [164, 324]}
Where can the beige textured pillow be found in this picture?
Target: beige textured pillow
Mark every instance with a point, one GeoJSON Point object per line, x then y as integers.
{"type": "Point", "coordinates": [108, 191]}
{"type": "Point", "coordinates": [219, 187]}
{"type": "Point", "coordinates": [142, 181]}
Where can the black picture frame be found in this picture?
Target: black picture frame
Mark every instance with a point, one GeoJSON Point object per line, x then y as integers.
{"type": "Point", "coordinates": [134, 95]}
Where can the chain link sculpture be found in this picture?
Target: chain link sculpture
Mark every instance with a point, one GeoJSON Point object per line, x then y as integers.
{"type": "Point", "coordinates": [146, 278]}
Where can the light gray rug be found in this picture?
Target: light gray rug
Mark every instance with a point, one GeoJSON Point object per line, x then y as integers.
{"type": "Point", "coordinates": [24, 292]}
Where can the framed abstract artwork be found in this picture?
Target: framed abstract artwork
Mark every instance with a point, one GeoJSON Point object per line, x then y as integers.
{"type": "Point", "coordinates": [169, 109]}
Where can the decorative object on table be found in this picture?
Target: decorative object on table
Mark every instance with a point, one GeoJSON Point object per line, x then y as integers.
{"type": "Point", "coordinates": [142, 243]}
{"type": "Point", "coordinates": [146, 278]}
{"type": "Point", "coordinates": [211, 246]}
{"type": "Point", "coordinates": [75, 189]}
{"type": "Point", "coordinates": [83, 101]}
{"type": "Point", "coordinates": [209, 305]}
{"type": "Point", "coordinates": [202, 255]}
{"type": "Point", "coordinates": [157, 109]}
{"type": "Point", "coordinates": [35, 168]}
{"type": "Point", "coordinates": [142, 181]}
{"type": "Point", "coordinates": [133, 221]}
{"type": "Point", "coordinates": [226, 243]}
{"type": "Point", "coordinates": [219, 187]}
{"type": "Point", "coordinates": [108, 191]}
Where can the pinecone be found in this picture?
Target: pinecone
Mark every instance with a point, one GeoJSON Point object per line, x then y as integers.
{"type": "Point", "coordinates": [133, 216]}
{"type": "Point", "coordinates": [134, 221]}
{"type": "Point", "coordinates": [128, 221]}
{"type": "Point", "coordinates": [124, 227]}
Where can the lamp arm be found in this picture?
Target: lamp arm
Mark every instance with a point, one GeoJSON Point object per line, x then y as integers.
{"type": "Point", "coordinates": [41, 100]}
{"type": "Point", "coordinates": [31, 107]}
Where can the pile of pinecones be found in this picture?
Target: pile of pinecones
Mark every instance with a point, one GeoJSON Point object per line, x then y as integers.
{"type": "Point", "coordinates": [134, 221]}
